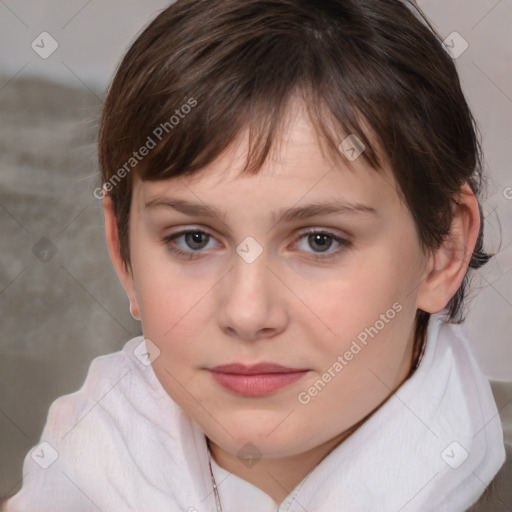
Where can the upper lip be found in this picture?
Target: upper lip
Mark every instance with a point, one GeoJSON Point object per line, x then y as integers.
{"type": "Point", "coordinates": [255, 369]}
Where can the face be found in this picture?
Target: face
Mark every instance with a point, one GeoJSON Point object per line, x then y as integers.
{"type": "Point", "coordinates": [278, 324]}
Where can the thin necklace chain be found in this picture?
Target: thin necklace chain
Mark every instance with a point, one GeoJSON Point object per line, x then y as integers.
{"type": "Point", "coordinates": [215, 490]}
{"type": "Point", "coordinates": [214, 483]}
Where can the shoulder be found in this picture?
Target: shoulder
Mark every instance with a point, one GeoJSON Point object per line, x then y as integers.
{"type": "Point", "coordinates": [118, 387]}
{"type": "Point", "coordinates": [104, 377]}
{"type": "Point", "coordinates": [90, 435]}
{"type": "Point", "coordinates": [498, 494]}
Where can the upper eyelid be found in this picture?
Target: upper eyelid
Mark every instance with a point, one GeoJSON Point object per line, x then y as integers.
{"type": "Point", "coordinates": [302, 231]}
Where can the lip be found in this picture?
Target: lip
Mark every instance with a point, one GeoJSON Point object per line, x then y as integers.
{"type": "Point", "coordinates": [256, 380]}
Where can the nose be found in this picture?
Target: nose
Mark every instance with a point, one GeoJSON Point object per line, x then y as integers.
{"type": "Point", "coordinates": [253, 302]}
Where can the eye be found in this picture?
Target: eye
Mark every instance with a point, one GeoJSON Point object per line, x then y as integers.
{"type": "Point", "coordinates": [321, 241]}
{"type": "Point", "coordinates": [194, 240]}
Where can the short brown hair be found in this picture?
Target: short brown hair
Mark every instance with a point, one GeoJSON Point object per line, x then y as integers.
{"type": "Point", "coordinates": [373, 68]}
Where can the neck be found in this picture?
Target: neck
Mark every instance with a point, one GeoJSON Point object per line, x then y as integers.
{"type": "Point", "coordinates": [277, 477]}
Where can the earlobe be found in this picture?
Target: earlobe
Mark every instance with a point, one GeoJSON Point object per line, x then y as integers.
{"type": "Point", "coordinates": [448, 264]}
{"type": "Point", "coordinates": [134, 309]}
{"type": "Point", "coordinates": [124, 273]}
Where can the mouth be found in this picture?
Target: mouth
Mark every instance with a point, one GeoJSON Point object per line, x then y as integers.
{"type": "Point", "coordinates": [256, 380]}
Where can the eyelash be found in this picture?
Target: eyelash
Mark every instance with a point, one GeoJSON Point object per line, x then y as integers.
{"type": "Point", "coordinates": [192, 255]}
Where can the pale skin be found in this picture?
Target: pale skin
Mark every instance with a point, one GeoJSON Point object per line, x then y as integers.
{"type": "Point", "coordinates": [285, 307]}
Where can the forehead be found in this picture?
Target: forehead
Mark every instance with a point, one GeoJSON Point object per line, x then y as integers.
{"type": "Point", "coordinates": [296, 170]}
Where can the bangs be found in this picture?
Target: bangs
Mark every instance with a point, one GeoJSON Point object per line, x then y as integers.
{"type": "Point", "coordinates": [232, 98]}
{"type": "Point", "coordinates": [263, 122]}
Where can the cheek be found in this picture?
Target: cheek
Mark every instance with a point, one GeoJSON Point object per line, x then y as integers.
{"type": "Point", "coordinates": [172, 316]}
{"type": "Point", "coordinates": [354, 298]}
{"type": "Point", "coordinates": [172, 303]}
{"type": "Point", "coordinates": [369, 311]}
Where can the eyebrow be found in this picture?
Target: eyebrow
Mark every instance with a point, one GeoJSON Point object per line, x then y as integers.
{"type": "Point", "coordinates": [315, 209]}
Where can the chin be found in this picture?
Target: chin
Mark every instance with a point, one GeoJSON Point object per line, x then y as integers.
{"type": "Point", "coordinates": [267, 441]}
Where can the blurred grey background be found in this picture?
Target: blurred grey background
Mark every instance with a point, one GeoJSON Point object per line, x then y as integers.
{"type": "Point", "coordinates": [60, 302]}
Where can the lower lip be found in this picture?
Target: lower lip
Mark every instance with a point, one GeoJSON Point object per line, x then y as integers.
{"type": "Point", "coordinates": [258, 384]}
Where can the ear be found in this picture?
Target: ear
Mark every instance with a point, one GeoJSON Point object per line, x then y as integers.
{"type": "Point", "coordinates": [123, 271]}
{"type": "Point", "coordinates": [448, 264]}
